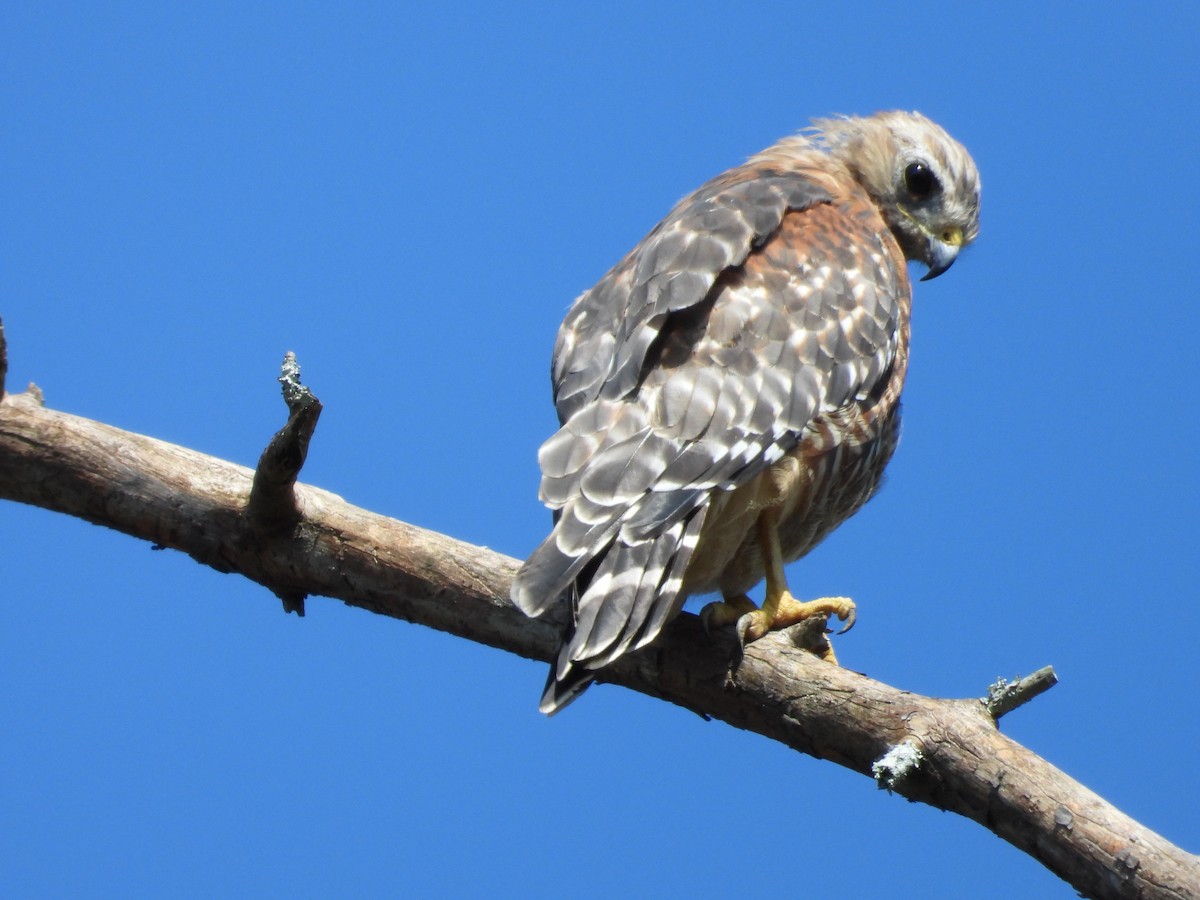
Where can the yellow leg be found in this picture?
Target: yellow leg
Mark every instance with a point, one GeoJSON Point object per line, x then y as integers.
{"type": "Point", "coordinates": [780, 609]}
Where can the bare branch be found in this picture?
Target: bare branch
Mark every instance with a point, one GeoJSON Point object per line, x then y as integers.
{"type": "Point", "coordinates": [947, 753]}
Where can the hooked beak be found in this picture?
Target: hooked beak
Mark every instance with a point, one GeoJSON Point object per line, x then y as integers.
{"type": "Point", "coordinates": [943, 250]}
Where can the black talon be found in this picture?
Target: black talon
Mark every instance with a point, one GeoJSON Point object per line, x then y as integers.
{"type": "Point", "coordinates": [851, 618]}
{"type": "Point", "coordinates": [743, 625]}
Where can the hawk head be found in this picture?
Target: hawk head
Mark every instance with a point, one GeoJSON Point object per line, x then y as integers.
{"type": "Point", "coordinates": [924, 182]}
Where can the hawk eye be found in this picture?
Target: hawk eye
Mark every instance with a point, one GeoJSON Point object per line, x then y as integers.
{"type": "Point", "coordinates": [920, 180]}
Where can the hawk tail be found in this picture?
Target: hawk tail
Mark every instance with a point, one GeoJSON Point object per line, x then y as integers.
{"type": "Point", "coordinates": [562, 690]}
{"type": "Point", "coordinates": [620, 604]}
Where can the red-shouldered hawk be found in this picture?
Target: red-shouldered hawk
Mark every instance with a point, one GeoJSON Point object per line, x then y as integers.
{"type": "Point", "coordinates": [730, 391]}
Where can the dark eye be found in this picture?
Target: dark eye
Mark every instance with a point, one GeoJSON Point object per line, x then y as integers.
{"type": "Point", "coordinates": [920, 180]}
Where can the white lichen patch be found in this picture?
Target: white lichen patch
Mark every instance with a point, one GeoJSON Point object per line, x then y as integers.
{"type": "Point", "coordinates": [891, 769]}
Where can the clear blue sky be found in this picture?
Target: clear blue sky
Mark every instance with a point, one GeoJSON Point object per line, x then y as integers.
{"type": "Point", "coordinates": [409, 196]}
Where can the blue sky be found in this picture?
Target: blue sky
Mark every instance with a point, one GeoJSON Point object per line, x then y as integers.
{"type": "Point", "coordinates": [410, 198]}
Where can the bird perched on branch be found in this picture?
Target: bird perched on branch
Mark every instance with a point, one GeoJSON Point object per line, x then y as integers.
{"type": "Point", "coordinates": [729, 392]}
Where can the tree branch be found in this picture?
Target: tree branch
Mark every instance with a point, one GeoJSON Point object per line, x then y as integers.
{"type": "Point", "coordinates": [947, 753]}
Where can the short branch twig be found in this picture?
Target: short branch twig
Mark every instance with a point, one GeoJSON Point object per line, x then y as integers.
{"type": "Point", "coordinates": [1004, 696]}
{"type": "Point", "coordinates": [271, 510]}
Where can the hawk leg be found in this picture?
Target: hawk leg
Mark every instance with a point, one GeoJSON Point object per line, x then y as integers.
{"type": "Point", "coordinates": [780, 609]}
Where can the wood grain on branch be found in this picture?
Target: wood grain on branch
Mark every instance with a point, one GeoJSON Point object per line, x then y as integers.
{"type": "Point", "coordinates": [947, 753]}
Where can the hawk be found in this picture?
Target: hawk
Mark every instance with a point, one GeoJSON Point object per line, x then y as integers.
{"type": "Point", "coordinates": [729, 392]}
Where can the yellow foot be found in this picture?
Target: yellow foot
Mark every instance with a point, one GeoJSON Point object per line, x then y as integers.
{"type": "Point", "coordinates": [726, 612]}
{"type": "Point", "coordinates": [790, 611]}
